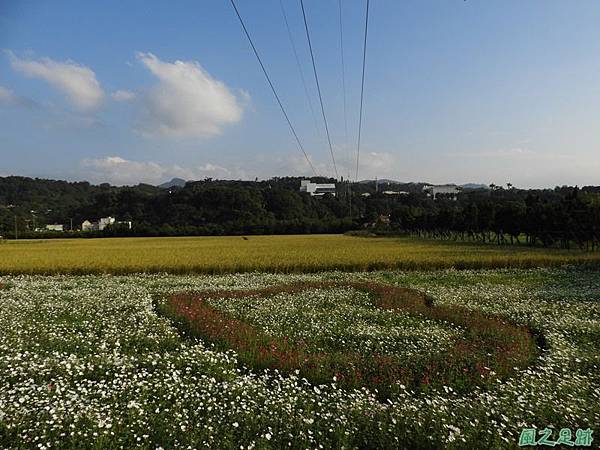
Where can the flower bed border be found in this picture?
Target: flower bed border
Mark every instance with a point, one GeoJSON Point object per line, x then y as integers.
{"type": "Point", "coordinates": [489, 347]}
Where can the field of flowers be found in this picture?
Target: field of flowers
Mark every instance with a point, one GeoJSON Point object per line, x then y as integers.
{"type": "Point", "coordinates": [88, 362]}
{"type": "Point", "coordinates": [358, 334]}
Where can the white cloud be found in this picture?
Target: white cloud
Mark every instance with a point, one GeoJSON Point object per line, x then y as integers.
{"type": "Point", "coordinates": [496, 153]}
{"type": "Point", "coordinates": [8, 97]}
{"type": "Point", "coordinates": [123, 96]}
{"type": "Point", "coordinates": [77, 82]}
{"type": "Point", "coordinates": [295, 164]}
{"type": "Point", "coordinates": [372, 164]}
{"type": "Point", "coordinates": [512, 153]}
{"type": "Point", "coordinates": [376, 163]}
{"type": "Point", "coordinates": [120, 171]}
{"type": "Point", "coordinates": [187, 103]}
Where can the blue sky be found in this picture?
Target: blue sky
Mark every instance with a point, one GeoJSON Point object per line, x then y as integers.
{"type": "Point", "coordinates": [456, 91]}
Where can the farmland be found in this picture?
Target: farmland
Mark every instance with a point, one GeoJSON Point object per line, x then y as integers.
{"type": "Point", "coordinates": [323, 341]}
{"type": "Point", "coordinates": [90, 362]}
{"type": "Point", "coordinates": [287, 254]}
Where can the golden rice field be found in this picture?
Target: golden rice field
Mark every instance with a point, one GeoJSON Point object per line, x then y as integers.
{"type": "Point", "coordinates": [304, 253]}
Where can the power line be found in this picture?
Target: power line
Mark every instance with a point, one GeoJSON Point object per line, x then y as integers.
{"type": "Point", "coordinates": [343, 79]}
{"type": "Point", "coordinates": [291, 38]}
{"type": "Point", "coordinates": [312, 56]}
{"type": "Point", "coordinates": [273, 87]}
{"type": "Point", "coordinates": [362, 90]}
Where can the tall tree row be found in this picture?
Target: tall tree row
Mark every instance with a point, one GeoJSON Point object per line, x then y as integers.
{"type": "Point", "coordinates": [564, 217]}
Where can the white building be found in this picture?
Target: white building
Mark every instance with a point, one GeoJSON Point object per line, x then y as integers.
{"type": "Point", "coordinates": [55, 227]}
{"type": "Point", "coordinates": [395, 193]}
{"type": "Point", "coordinates": [89, 226]}
{"type": "Point", "coordinates": [125, 224]}
{"type": "Point", "coordinates": [101, 225]}
{"type": "Point", "coordinates": [451, 190]}
{"type": "Point", "coordinates": [315, 189]}
{"type": "Point", "coordinates": [105, 222]}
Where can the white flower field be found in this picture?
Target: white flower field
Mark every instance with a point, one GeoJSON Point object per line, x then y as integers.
{"type": "Point", "coordinates": [87, 362]}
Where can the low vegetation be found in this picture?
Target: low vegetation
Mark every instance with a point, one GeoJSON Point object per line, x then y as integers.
{"type": "Point", "coordinates": [289, 254]}
{"type": "Point", "coordinates": [86, 362]}
{"type": "Point", "coordinates": [478, 349]}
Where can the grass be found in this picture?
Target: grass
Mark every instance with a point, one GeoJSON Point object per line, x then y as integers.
{"type": "Point", "coordinates": [288, 254]}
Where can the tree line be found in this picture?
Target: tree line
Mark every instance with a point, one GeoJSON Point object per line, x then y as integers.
{"type": "Point", "coordinates": [565, 217]}
{"type": "Point", "coordinates": [562, 217]}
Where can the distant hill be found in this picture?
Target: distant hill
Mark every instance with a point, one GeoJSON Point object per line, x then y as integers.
{"type": "Point", "coordinates": [175, 182]}
{"type": "Point", "coordinates": [276, 206]}
{"type": "Point", "coordinates": [474, 186]}
{"type": "Point", "coordinates": [179, 182]}
{"type": "Point", "coordinates": [381, 181]}
{"type": "Point", "coordinates": [386, 184]}
{"type": "Point", "coordinates": [418, 185]}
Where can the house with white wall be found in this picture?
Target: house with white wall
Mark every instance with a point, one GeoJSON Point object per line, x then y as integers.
{"type": "Point", "coordinates": [317, 189]}
{"type": "Point", "coordinates": [100, 225]}
{"type": "Point", "coordinates": [450, 190]}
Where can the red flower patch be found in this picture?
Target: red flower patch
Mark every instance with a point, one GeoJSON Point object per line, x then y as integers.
{"type": "Point", "coordinates": [489, 348]}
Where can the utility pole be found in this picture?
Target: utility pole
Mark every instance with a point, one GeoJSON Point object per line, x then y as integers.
{"type": "Point", "coordinates": [350, 198]}
{"type": "Point", "coordinates": [16, 229]}
{"type": "Point", "coordinates": [71, 224]}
